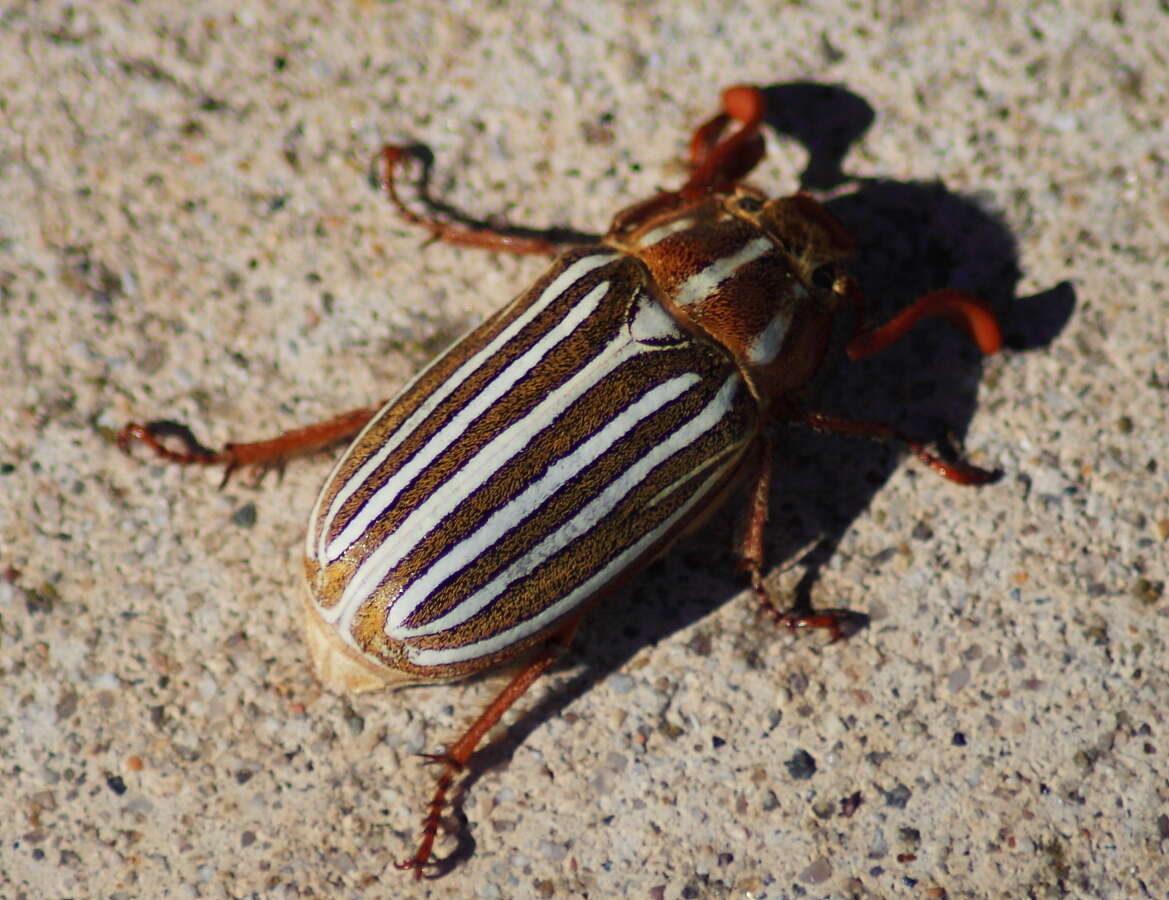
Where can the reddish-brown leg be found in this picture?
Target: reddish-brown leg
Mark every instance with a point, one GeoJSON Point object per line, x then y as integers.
{"type": "Point", "coordinates": [960, 472]}
{"type": "Point", "coordinates": [716, 162]}
{"type": "Point", "coordinates": [190, 451]}
{"type": "Point", "coordinates": [750, 549]}
{"type": "Point", "coordinates": [968, 311]}
{"type": "Point", "coordinates": [838, 623]}
{"type": "Point", "coordinates": [456, 757]}
{"type": "Point", "coordinates": [487, 238]}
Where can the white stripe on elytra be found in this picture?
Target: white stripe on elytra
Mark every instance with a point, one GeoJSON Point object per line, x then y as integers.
{"type": "Point", "coordinates": [486, 461]}
{"type": "Point", "coordinates": [703, 284]}
{"type": "Point", "coordinates": [325, 551]}
{"type": "Point", "coordinates": [577, 527]}
{"type": "Point", "coordinates": [716, 460]}
{"type": "Point", "coordinates": [511, 375]}
{"type": "Point", "coordinates": [513, 515]}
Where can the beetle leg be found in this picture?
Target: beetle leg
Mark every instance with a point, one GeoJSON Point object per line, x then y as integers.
{"type": "Point", "coordinates": [456, 757]}
{"type": "Point", "coordinates": [157, 436]}
{"type": "Point", "coordinates": [750, 549]}
{"type": "Point", "coordinates": [518, 240]}
{"type": "Point", "coordinates": [718, 164]}
{"type": "Point", "coordinates": [839, 623]}
{"type": "Point", "coordinates": [960, 472]}
{"type": "Point", "coordinates": [968, 311]}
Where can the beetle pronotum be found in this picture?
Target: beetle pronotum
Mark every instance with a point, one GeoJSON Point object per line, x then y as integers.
{"type": "Point", "coordinates": [560, 446]}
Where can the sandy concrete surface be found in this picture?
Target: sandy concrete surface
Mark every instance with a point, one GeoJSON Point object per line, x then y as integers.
{"type": "Point", "coordinates": [187, 231]}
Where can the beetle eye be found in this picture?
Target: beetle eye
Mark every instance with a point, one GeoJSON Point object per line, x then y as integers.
{"type": "Point", "coordinates": [824, 277]}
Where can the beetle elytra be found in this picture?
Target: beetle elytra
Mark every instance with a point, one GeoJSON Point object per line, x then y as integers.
{"type": "Point", "coordinates": [560, 446]}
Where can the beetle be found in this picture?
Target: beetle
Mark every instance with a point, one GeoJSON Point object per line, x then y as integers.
{"type": "Point", "coordinates": [560, 446]}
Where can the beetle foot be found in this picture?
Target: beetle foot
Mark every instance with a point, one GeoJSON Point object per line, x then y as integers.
{"type": "Point", "coordinates": [171, 440]}
{"type": "Point", "coordinates": [839, 623]}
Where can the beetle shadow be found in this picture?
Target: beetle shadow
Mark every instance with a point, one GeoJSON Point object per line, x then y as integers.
{"type": "Point", "coordinates": [912, 237]}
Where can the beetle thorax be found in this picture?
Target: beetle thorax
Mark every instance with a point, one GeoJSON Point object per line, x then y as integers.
{"type": "Point", "coordinates": [755, 278]}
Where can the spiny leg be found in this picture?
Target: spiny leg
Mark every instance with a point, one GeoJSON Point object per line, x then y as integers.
{"type": "Point", "coordinates": [839, 623]}
{"type": "Point", "coordinates": [956, 471]}
{"type": "Point", "coordinates": [456, 757]}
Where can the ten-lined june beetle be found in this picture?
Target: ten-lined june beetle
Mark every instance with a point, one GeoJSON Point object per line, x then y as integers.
{"type": "Point", "coordinates": [568, 440]}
